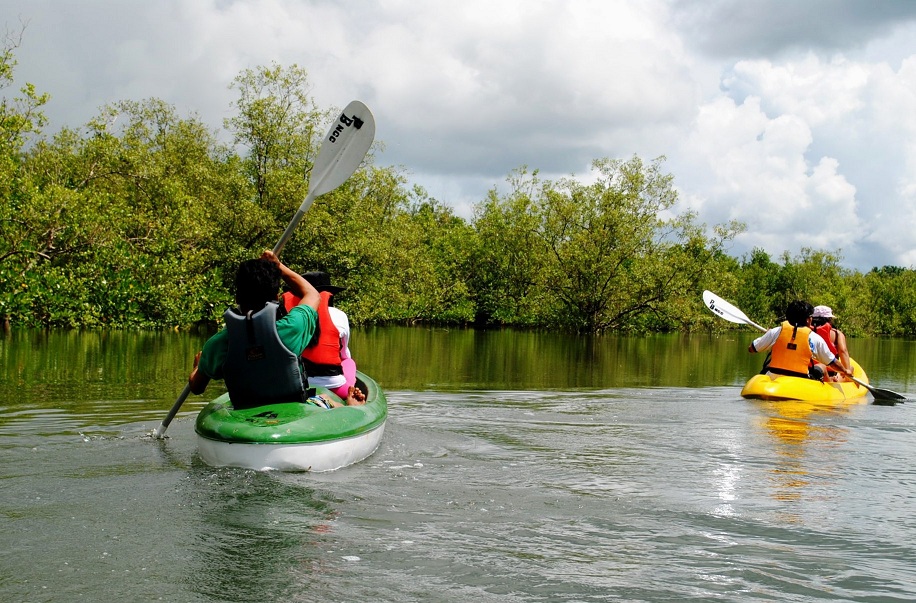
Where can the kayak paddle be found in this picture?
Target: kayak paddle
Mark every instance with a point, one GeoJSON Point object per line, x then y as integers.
{"type": "Point", "coordinates": [727, 311]}
{"type": "Point", "coordinates": [343, 149]}
{"type": "Point", "coordinates": [730, 313]}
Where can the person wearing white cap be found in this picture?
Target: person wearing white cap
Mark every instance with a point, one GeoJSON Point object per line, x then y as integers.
{"type": "Point", "coordinates": [822, 320]}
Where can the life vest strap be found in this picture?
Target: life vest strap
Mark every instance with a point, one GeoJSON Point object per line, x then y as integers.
{"type": "Point", "coordinates": [321, 370]}
{"type": "Point", "coordinates": [788, 373]}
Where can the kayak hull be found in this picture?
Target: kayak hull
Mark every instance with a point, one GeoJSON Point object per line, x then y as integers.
{"type": "Point", "coordinates": [318, 457]}
{"type": "Point", "coordinates": [292, 436]}
{"type": "Point", "coordinates": [770, 386]}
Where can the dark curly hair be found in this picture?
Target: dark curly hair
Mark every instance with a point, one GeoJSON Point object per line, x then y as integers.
{"type": "Point", "coordinates": [256, 283]}
{"type": "Point", "coordinates": [798, 312]}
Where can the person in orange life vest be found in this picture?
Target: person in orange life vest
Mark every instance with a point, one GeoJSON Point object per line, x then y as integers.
{"type": "Point", "coordinates": [793, 344]}
{"type": "Point", "coordinates": [327, 359]}
{"type": "Point", "coordinates": [822, 320]}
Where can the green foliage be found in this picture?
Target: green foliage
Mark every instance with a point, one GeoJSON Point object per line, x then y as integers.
{"type": "Point", "coordinates": [593, 257]}
{"type": "Point", "coordinates": [892, 293]}
{"type": "Point", "coordinates": [400, 254]}
{"type": "Point", "coordinates": [279, 125]}
{"type": "Point", "coordinates": [20, 117]}
{"type": "Point", "coordinates": [139, 219]}
{"type": "Point", "coordinates": [105, 229]}
{"type": "Point", "coordinates": [506, 255]}
{"type": "Point", "coordinates": [763, 288]}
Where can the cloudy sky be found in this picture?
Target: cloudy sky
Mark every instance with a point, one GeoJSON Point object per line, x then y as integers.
{"type": "Point", "coordinates": [796, 117]}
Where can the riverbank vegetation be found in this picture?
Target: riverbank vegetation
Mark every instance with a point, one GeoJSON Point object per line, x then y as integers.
{"type": "Point", "coordinates": [139, 217]}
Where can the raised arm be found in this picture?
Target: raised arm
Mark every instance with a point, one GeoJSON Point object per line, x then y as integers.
{"type": "Point", "coordinates": [842, 350]}
{"type": "Point", "coordinates": [298, 286]}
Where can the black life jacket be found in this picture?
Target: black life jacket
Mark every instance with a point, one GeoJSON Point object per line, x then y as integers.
{"type": "Point", "coordinates": [259, 369]}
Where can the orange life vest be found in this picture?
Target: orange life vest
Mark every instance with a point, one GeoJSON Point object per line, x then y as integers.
{"type": "Point", "coordinates": [791, 355]}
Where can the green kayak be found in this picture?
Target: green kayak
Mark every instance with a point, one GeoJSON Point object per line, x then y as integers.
{"type": "Point", "coordinates": [292, 436]}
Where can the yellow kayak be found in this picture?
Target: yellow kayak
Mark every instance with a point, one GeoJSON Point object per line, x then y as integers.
{"type": "Point", "coordinates": [770, 386]}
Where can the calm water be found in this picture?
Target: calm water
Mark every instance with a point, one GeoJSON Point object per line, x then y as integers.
{"type": "Point", "coordinates": [515, 467]}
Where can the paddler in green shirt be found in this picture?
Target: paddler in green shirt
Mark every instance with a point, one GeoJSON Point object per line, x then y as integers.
{"type": "Point", "coordinates": [257, 354]}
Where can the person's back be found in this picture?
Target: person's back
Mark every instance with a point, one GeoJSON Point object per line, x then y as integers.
{"type": "Point", "coordinates": [258, 367]}
{"type": "Point", "coordinates": [791, 354]}
{"type": "Point", "coordinates": [257, 354]}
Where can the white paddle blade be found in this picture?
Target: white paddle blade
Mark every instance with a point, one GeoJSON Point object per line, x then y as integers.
{"type": "Point", "coordinates": [727, 311]}
{"type": "Point", "coordinates": [343, 149]}
{"type": "Point", "coordinates": [724, 309]}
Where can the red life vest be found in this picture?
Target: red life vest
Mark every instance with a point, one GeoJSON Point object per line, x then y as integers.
{"type": "Point", "coordinates": [825, 331]}
{"type": "Point", "coordinates": [322, 356]}
{"type": "Point", "coordinates": [290, 301]}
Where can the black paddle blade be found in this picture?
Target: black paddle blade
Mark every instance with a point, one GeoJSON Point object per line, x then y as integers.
{"type": "Point", "coordinates": [886, 395]}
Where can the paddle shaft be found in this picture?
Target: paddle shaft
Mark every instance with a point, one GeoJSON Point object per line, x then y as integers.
{"type": "Point", "coordinates": [863, 384]}
{"type": "Point", "coordinates": [160, 431]}
{"type": "Point", "coordinates": [291, 227]}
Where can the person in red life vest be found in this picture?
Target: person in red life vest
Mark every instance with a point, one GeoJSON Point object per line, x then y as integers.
{"type": "Point", "coordinates": [327, 358]}
{"type": "Point", "coordinates": [822, 321]}
{"type": "Point", "coordinates": [794, 343]}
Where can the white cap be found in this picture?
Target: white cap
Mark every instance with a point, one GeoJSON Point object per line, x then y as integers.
{"type": "Point", "coordinates": [823, 312]}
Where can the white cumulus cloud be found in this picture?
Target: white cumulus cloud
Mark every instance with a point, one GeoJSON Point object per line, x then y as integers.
{"type": "Point", "coordinates": [797, 118]}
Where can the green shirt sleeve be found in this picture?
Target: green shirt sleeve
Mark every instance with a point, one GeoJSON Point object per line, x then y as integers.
{"type": "Point", "coordinates": [214, 355]}
{"type": "Point", "coordinates": [295, 331]}
{"type": "Point", "coordinates": [297, 327]}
